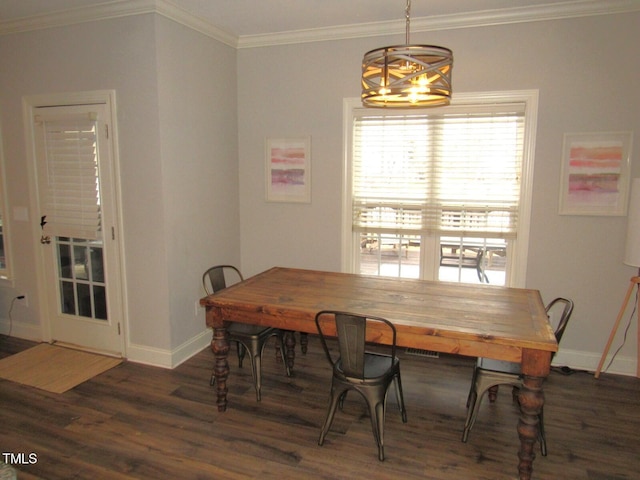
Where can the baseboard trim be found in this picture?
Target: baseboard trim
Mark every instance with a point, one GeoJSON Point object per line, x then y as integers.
{"type": "Point", "coordinates": [574, 359]}
{"type": "Point", "coordinates": [578, 360]}
{"type": "Point", "coordinates": [21, 330]}
{"type": "Point", "coordinates": [158, 357]}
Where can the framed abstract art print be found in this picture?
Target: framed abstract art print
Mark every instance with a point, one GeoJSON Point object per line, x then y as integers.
{"type": "Point", "coordinates": [288, 170]}
{"type": "Point", "coordinates": [595, 173]}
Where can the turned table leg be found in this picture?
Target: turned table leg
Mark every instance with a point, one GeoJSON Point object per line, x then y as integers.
{"type": "Point", "coordinates": [536, 365]}
{"type": "Point", "coordinates": [290, 345]}
{"type": "Point", "coordinates": [220, 347]}
{"type": "Point", "coordinates": [531, 400]}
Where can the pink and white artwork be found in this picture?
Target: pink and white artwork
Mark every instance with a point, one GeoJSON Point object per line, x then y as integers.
{"type": "Point", "coordinates": [288, 175]}
{"type": "Point", "coordinates": [595, 174]}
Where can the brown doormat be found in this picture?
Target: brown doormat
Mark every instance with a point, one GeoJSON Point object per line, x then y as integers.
{"type": "Point", "coordinates": [53, 368]}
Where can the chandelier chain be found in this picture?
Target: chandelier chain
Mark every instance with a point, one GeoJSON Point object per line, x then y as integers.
{"type": "Point", "coordinates": [408, 20]}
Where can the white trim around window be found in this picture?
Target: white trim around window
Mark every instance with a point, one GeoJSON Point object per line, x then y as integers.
{"type": "Point", "coordinates": [5, 252]}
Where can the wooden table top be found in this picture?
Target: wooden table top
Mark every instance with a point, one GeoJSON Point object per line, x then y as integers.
{"type": "Point", "coordinates": [474, 320]}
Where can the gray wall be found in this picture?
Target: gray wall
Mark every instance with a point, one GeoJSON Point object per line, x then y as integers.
{"type": "Point", "coordinates": [586, 71]}
{"type": "Point", "coordinates": [178, 162]}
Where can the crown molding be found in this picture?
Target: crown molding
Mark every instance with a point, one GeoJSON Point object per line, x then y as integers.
{"type": "Point", "coordinates": [117, 9]}
{"type": "Point", "coordinates": [484, 18]}
{"type": "Point", "coordinates": [103, 11]}
{"type": "Point", "coordinates": [124, 8]}
{"type": "Point", "coordinates": [187, 19]}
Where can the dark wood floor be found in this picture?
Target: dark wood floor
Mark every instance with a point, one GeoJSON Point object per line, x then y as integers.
{"type": "Point", "coordinates": [141, 422]}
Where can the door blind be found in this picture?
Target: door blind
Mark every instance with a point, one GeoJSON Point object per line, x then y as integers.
{"type": "Point", "coordinates": [70, 187]}
{"type": "Point", "coordinates": [454, 172]}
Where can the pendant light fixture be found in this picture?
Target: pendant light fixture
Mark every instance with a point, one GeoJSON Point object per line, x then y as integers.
{"type": "Point", "coordinates": [407, 75]}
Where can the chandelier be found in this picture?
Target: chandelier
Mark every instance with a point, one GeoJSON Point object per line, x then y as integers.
{"type": "Point", "coordinates": [407, 75]}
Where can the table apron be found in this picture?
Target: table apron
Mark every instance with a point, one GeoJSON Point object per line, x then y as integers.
{"type": "Point", "coordinates": [301, 322]}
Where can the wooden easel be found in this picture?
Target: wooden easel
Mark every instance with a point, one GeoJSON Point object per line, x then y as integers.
{"type": "Point", "coordinates": [633, 282]}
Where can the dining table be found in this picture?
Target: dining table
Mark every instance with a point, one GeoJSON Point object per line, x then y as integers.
{"type": "Point", "coordinates": [497, 322]}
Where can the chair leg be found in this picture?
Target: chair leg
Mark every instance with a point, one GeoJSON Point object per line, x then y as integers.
{"type": "Point", "coordinates": [493, 393]}
{"type": "Point", "coordinates": [254, 349]}
{"type": "Point", "coordinates": [473, 405]}
{"type": "Point", "coordinates": [473, 386]}
{"type": "Point", "coordinates": [377, 412]}
{"type": "Point", "coordinates": [342, 399]}
{"type": "Point", "coordinates": [242, 350]}
{"type": "Point", "coordinates": [515, 394]}
{"type": "Point", "coordinates": [542, 437]}
{"type": "Point", "coordinates": [281, 347]}
{"type": "Point", "coordinates": [400, 397]}
{"type": "Point", "coordinates": [335, 396]}
{"type": "Point", "coordinates": [256, 365]}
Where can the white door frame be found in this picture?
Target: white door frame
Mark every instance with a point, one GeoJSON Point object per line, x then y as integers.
{"type": "Point", "coordinates": [29, 103]}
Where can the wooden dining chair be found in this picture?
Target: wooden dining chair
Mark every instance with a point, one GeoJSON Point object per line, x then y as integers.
{"type": "Point", "coordinates": [368, 373]}
{"type": "Point", "coordinates": [489, 374]}
{"type": "Point", "coordinates": [249, 338]}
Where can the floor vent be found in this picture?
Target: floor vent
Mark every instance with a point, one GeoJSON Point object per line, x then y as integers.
{"type": "Point", "coordinates": [422, 353]}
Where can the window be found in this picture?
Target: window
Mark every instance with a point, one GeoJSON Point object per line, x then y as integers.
{"type": "Point", "coordinates": [440, 193]}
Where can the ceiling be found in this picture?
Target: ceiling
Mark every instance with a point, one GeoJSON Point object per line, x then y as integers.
{"type": "Point", "coordinates": [242, 18]}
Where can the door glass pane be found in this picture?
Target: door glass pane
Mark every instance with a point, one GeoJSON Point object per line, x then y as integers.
{"type": "Point", "coordinates": [473, 260]}
{"type": "Point", "coordinates": [390, 255]}
{"type": "Point", "coordinates": [64, 261]}
{"type": "Point", "coordinates": [80, 262]}
{"type": "Point", "coordinates": [100, 302]}
{"type": "Point", "coordinates": [67, 298]}
{"type": "Point", "coordinates": [97, 270]}
{"type": "Point", "coordinates": [82, 286]}
{"type": "Point", "coordinates": [84, 299]}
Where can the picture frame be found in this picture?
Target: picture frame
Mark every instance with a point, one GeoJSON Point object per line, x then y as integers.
{"type": "Point", "coordinates": [595, 173]}
{"type": "Point", "coordinates": [288, 170]}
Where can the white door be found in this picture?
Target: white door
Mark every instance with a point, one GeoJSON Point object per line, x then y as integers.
{"type": "Point", "coordinates": [77, 207]}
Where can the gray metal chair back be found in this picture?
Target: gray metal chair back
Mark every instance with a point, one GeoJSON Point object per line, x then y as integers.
{"type": "Point", "coordinates": [567, 310]}
{"type": "Point", "coordinates": [215, 278]}
{"type": "Point", "coordinates": [352, 331]}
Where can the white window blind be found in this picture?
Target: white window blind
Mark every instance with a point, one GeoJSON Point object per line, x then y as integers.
{"type": "Point", "coordinates": [454, 171]}
{"type": "Point", "coordinates": [69, 175]}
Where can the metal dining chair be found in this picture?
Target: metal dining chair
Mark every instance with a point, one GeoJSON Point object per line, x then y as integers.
{"type": "Point", "coordinates": [249, 338]}
{"type": "Point", "coordinates": [489, 374]}
{"type": "Point", "coordinates": [354, 368]}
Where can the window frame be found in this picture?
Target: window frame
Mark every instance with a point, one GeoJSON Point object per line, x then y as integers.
{"type": "Point", "coordinates": [518, 251]}
{"type": "Point", "coordinates": [5, 273]}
